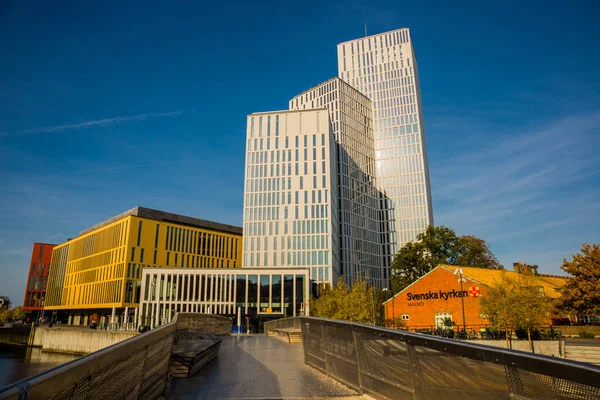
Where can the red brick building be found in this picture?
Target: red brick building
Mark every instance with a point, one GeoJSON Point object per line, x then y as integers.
{"type": "Point", "coordinates": [35, 289]}
{"type": "Point", "coordinates": [437, 295]}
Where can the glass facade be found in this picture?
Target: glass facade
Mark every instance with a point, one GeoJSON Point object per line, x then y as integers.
{"type": "Point", "coordinates": [384, 68]}
{"type": "Point", "coordinates": [290, 209]}
{"type": "Point", "coordinates": [281, 292]}
{"type": "Point", "coordinates": [350, 113]}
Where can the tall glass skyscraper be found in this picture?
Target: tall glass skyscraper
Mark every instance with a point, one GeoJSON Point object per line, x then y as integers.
{"type": "Point", "coordinates": [290, 194]}
{"type": "Point", "coordinates": [351, 114]}
{"type": "Point", "coordinates": [383, 67]}
{"type": "Point", "coordinates": [340, 182]}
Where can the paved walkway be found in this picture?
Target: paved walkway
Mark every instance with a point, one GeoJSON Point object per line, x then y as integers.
{"type": "Point", "coordinates": [258, 367]}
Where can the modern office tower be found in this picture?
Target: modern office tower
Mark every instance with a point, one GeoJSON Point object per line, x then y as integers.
{"type": "Point", "coordinates": [290, 193]}
{"type": "Point", "coordinates": [350, 114]}
{"type": "Point", "coordinates": [384, 68]}
{"type": "Point", "coordinates": [100, 270]}
{"type": "Point", "coordinates": [35, 289]}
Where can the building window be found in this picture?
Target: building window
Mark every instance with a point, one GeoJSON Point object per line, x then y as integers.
{"type": "Point", "coordinates": [139, 237]}
{"type": "Point", "coordinates": [441, 318]}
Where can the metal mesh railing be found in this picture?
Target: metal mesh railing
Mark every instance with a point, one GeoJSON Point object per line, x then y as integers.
{"type": "Point", "coordinates": [391, 364]}
{"type": "Point", "coordinates": [283, 323]}
{"type": "Point", "coordinates": [136, 368]}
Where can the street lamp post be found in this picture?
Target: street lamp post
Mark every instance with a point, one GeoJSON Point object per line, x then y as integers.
{"type": "Point", "coordinates": [459, 271]}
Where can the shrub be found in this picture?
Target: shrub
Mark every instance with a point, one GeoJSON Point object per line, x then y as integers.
{"type": "Point", "coordinates": [522, 334]}
{"type": "Point", "coordinates": [586, 335]}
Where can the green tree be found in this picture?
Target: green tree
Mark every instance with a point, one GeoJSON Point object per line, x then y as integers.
{"type": "Point", "coordinates": [355, 304]}
{"type": "Point", "coordinates": [516, 301]}
{"type": "Point", "coordinates": [18, 313]}
{"type": "Point", "coordinates": [475, 252]}
{"type": "Point", "coordinates": [5, 314]}
{"type": "Point", "coordinates": [581, 293]}
{"type": "Point", "coordinates": [438, 245]}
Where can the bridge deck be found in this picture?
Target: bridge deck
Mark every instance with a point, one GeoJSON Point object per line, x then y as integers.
{"type": "Point", "coordinates": [257, 367]}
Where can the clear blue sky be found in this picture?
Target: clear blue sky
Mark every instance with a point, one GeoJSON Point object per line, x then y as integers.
{"type": "Point", "coordinates": [105, 106]}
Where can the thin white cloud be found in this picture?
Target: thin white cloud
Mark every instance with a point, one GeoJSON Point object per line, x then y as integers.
{"type": "Point", "coordinates": [87, 124]}
{"type": "Point", "coordinates": [530, 188]}
{"type": "Point", "coordinates": [114, 168]}
{"type": "Point", "coordinates": [49, 238]}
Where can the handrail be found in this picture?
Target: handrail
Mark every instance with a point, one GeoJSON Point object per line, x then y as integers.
{"type": "Point", "coordinates": [381, 361]}
{"type": "Point", "coordinates": [283, 323]}
{"type": "Point", "coordinates": [65, 376]}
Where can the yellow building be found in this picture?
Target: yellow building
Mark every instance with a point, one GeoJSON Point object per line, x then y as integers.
{"type": "Point", "coordinates": [100, 270]}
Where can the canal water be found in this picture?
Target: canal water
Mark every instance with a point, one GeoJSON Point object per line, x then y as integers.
{"type": "Point", "coordinates": [18, 362]}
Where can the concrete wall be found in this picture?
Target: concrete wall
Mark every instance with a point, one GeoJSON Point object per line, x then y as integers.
{"type": "Point", "coordinates": [545, 347]}
{"type": "Point", "coordinates": [18, 335]}
{"type": "Point", "coordinates": [76, 340]}
{"type": "Point", "coordinates": [574, 330]}
{"type": "Point", "coordinates": [586, 350]}
{"type": "Point", "coordinates": [205, 323]}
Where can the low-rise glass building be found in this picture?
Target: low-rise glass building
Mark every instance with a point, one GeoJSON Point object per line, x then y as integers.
{"type": "Point", "coordinates": [256, 294]}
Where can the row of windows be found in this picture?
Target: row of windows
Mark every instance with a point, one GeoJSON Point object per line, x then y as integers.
{"type": "Point", "coordinates": [97, 260]}
{"type": "Point", "coordinates": [313, 242]}
{"type": "Point", "coordinates": [304, 225]}
{"type": "Point", "coordinates": [293, 258]}
{"type": "Point", "coordinates": [384, 91]}
{"type": "Point", "coordinates": [259, 213]}
{"type": "Point", "coordinates": [100, 241]}
{"type": "Point", "coordinates": [257, 144]}
{"type": "Point", "coordinates": [276, 170]}
{"type": "Point", "coordinates": [254, 197]}
{"type": "Point", "coordinates": [37, 282]}
{"type": "Point", "coordinates": [324, 89]}
{"type": "Point", "coordinates": [39, 268]}
{"type": "Point", "coordinates": [418, 224]}
{"type": "Point", "coordinates": [195, 261]}
{"type": "Point", "coordinates": [256, 154]}
{"type": "Point", "coordinates": [371, 79]}
{"type": "Point", "coordinates": [35, 299]}
{"type": "Point", "coordinates": [400, 166]}
{"type": "Point", "coordinates": [396, 143]}
{"type": "Point", "coordinates": [396, 119]}
{"type": "Point", "coordinates": [103, 273]}
{"type": "Point", "coordinates": [93, 293]}
{"type": "Point", "coordinates": [385, 40]}
{"type": "Point", "coordinates": [260, 126]}
{"type": "Point", "coordinates": [58, 266]}
{"type": "Point", "coordinates": [200, 243]}
{"type": "Point", "coordinates": [277, 156]}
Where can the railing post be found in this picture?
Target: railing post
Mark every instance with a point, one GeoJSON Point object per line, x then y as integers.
{"type": "Point", "coordinates": [515, 385]}
{"type": "Point", "coordinates": [414, 368]}
{"type": "Point", "coordinates": [358, 348]}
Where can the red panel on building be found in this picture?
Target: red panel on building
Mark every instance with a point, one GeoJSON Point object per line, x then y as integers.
{"type": "Point", "coordinates": [35, 291]}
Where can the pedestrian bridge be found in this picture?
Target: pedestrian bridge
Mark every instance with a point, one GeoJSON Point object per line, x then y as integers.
{"type": "Point", "coordinates": [335, 360]}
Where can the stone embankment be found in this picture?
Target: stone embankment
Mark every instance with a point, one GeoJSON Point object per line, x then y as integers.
{"type": "Point", "coordinates": [76, 340]}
